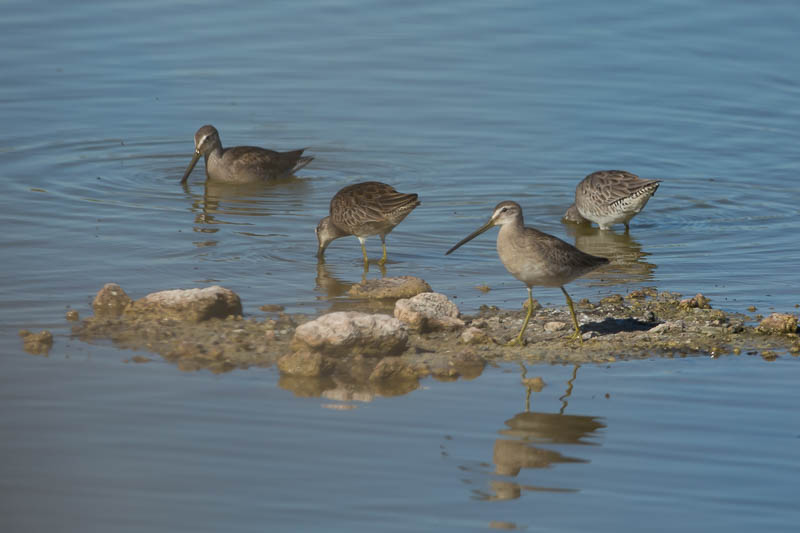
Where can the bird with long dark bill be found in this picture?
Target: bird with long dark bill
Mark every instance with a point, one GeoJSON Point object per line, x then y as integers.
{"type": "Point", "coordinates": [364, 209]}
{"type": "Point", "coordinates": [242, 164]}
{"type": "Point", "coordinates": [535, 258]}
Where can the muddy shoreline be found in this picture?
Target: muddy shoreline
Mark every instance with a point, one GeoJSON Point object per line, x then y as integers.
{"type": "Point", "coordinates": [642, 323]}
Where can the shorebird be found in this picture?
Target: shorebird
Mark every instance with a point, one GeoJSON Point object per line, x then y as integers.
{"type": "Point", "coordinates": [242, 164]}
{"type": "Point", "coordinates": [364, 209]}
{"type": "Point", "coordinates": [609, 197]}
{"type": "Point", "coordinates": [535, 258]}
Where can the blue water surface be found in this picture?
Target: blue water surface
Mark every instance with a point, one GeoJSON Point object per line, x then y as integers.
{"type": "Point", "coordinates": [467, 104]}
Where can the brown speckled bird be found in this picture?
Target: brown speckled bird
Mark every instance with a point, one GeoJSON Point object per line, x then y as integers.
{"type": "Point", "coordinates": [362, 210]}
{"type": "Point", "coordinates": [609, 197]}
{"type": "Point", "coordinates": [242, 164]}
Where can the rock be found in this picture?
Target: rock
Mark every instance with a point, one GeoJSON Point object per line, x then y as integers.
{"type": "Point", "coordinates": [778, 323]}
{"type": "Point", "coordinates": [698, 301]}
{"type": "Point", "coordinates": [271, 308]}
{"type": "Point", "coordinates": [710, 331]}
{"type": "Point", "coordinates": [475, 335]}
{"type": "Point", "coordinates": [36, 343]}
{"type": "Point", "coordinates": [110, 301]}
{"type": "Point", "coordinates": [668, 327]}
{"type": "Point", "coordinates": [305, 363]}
{"type": "Point", "coordinates": [351, 332]}
{"type": "Point", "coordinates": [392, 368]}
{"type": "Point", "coordinates": [428, 311]}
{"type": "Point", "coordinates": [72, 315]}
{"type": "Point", "coordinates": [398, 287]}
{"type": "Point", "coordinates": [552, 327]}
{"type": "Point", "coordinates": [191, 305]}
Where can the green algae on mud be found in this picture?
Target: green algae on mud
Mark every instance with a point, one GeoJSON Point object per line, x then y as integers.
{"type": "Point", "coordinates": [643, 323]}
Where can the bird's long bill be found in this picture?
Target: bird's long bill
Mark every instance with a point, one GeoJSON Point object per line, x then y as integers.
{"type": "Point", "coordinates": [486, 227]}
{"type": "Point", "coordinates": [195, 157]}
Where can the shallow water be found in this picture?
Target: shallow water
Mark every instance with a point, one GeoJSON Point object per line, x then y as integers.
{"type": "Point", "coordinates": [466, 104]}
{"type": "Point", "coordinates": [696, 445]}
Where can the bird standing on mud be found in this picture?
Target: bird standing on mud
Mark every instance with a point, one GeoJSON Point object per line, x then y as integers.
{"type": "Point", "coordinates": [535, 258]}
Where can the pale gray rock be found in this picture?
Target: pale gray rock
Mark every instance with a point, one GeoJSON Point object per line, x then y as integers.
{"type": "Point", "coordinates": [352, 332]}
{"type": "Point", "coordinates": [392, 368]}
{"type": "Point", "coordinates": [778, 323]}
{"type": "Point", "coordinates": [191, 305]}
{"type": "Point", "coordinates": [473, 335]}
{"type": "Point", "coordinates": [671, 326]}
{"type": "Point", "coordinates": [428, 311]}
{"type": "Point", "coordinates": [554, 326]}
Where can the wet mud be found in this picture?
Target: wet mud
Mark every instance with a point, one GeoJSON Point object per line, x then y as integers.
{"type": "Point", "coordinates": [643, 323]}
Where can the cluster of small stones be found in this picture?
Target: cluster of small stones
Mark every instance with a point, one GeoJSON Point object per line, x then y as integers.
{"type": "Point", "coordinates": [195, 328]}
{"type": "Point", "coordinates": [350, 353]}
{"type": "Point", "coordinates": [385, 352]}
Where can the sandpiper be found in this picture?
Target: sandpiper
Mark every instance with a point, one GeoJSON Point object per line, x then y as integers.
{"type": "Point", "coordinates": [535, 258]}
{"type": "Point", "coordinates": [609, 197]}
{"type": "Point", "coordinates": [242, 164]}
{"type": "Point", "coordinates": [364, 209]}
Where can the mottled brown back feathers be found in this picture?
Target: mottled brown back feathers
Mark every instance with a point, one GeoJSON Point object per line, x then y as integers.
{"type": "Point", "coordinates": [370, 208]}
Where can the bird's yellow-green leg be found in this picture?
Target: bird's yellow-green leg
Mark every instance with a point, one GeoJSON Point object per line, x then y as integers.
{"type": "Point", "coordinates": [364, 251]}
{"type": "Point", "coordinates": [383, 259]}
{"type": "Point", "coordinates": [518, 339]}
{"type": "Point", "coordinates": [577, 334]}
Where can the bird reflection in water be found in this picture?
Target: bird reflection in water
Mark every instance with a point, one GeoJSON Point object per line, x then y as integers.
{"type": "Point", "coordinates": [516, 452]}
{"type": "Point", "coordinates": [628, 260]}
{"type": "Point", "coordinates": [331, 286]}
{"type": "Point", "coordinates": [328, 284]}
{"type": "Point", "coordinates": [226, 204]}
{"type": "Point", "coordinates": [336, 291]}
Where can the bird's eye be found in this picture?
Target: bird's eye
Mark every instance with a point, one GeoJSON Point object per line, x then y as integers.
{"type": "Point", "coordinates": [504, 210]}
